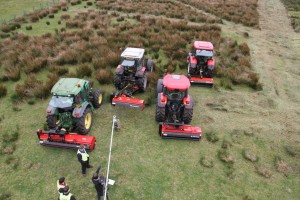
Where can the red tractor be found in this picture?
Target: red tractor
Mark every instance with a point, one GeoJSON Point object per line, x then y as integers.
{"type": "Point", "coordinates": [174, 108]}
{"type": "Point", "coordinates": [201, 64]}
{"type": "Point", "coordinates": [130, 77]}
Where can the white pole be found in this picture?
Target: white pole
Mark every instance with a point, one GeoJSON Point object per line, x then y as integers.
{"type": "Point", "coordinates": [109, 155]}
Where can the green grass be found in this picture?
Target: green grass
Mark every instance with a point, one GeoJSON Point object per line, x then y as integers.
{"type": "Point", "coordinates": [143, 165]}
{"type": "Point", "coordinates": [10, 9]}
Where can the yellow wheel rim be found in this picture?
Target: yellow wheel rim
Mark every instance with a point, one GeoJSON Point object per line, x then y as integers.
{"type": "Point", "coordinates": [88, 120]}
{"type": "Point", "coordinates": [100, 99]}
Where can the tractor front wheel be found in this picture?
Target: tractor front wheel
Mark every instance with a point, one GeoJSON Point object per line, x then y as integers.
{"type": "Point", "coordinates": [160, 114]}
{"type": "Point", "coordinates": [52, 121]}
{"type": "Point", "coordinates": [84, 123]}
{"type": "Point", "coordinates": [97, 98]}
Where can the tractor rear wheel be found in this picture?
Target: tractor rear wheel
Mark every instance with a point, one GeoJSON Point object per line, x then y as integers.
{"type": "Point", "coordinates": [142, 83]}
{"type": "Point", "coordinates": [209, 73]}
{"type": "Point", "coordinates": [97, 98]}
{"type": "Point", "coordinates": [160, 114]}
{"type": "Point", "coordinates": [118, 81]}
{"type": "Point", "coordinates": [84, 123]}
{"type": "Point", "coordinates": [52, 121]}
{"type": "Point", "coordinates": [187, 115]}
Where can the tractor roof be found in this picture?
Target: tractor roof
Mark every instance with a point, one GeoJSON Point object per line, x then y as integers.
{"type": "Point", "coordinates": [203, 45]}
{"type": "Point", "coordinates": [68, 86]}
{"type": "Point", "coordinates": [173, 82]}
{"type": "Point", "coordinates": [133, 53]}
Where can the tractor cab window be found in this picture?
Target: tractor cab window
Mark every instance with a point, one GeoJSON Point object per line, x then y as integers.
{"type": "Point", "coordinates": [203, 55]}
{"type": "Point", "coordinates": [61, 102]}
{"type": "Point", "coordinates": [140, 64]}
{"type": "Point", "coordinates": [128, 64]}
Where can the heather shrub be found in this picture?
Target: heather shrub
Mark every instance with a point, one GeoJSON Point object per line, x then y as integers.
{"type": "Point", "coordinates": [3, 90]}
{"type": "Point", "coordinates": [12, 73]}
{"type": "Point", "coordinates": [34, 65]}
{"type": "Point", "coordinates": [244, 49]}
{"type": "Point", "coordinates": [104, 76]}
{"type": "Point", "coordinates": [59, 70]}
{"type": "Point", "coordinates": [29, 27]}
{"type": "Point", "coordinates": [84, 70]}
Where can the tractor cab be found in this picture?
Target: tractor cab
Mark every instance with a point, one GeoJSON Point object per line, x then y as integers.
{"type": "Point", "coordinates": [132, 60]}
{"type": "Point", "coordinates": [175, 89]}
{"type": "Point", "coordinates": [174, 109]}
{"type": "Point", "coordinates": [201, 63]}
{"type": "Point", "coordinates": [203, 51]}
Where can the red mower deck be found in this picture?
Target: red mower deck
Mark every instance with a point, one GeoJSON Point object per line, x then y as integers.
{"type": "Point", "coordinates": [208, 82]}
{"type": "Point", "coordinates": [65, 140]}
{"type": "Point", "coordinates": [124, 100]}
{"type": "Point", "coordinates": [180, 131]}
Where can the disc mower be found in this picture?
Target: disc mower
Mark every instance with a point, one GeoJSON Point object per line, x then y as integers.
{"type": "Point", "coordinates": [131, 77]}
{"type": "Point", "coordinates": [174, 108]}
{"type": "Point", "coordinates": [70, 114]}
{"type": "Point", "coordinates": [201, 64]}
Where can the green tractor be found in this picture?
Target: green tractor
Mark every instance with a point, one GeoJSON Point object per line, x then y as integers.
{"type": "Point", "coordinates": [71, 106]}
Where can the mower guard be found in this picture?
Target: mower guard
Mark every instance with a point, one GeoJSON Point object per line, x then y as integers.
{"type": "Point", "coordinates": [179, 131]}
{"type": "Point", "coordinates": [205, 82]}
{"type": "Point", "coordinates": [124, 100]}
{"type": "Point", "coordinates": [62, 139]}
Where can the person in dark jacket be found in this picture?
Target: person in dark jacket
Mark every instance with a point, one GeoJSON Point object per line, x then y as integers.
{"type": "Point", "coordinates": [84, 159]}
{"type": "Point", "coordinates": [61, 184]}
{"type": "Point", "coordinates": [99, 182]}
{"type": "Point", "coordinates": [66, 195]}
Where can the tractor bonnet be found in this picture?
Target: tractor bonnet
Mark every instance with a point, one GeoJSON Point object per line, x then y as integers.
{"type": "Point", "coordinates": [176, 82]}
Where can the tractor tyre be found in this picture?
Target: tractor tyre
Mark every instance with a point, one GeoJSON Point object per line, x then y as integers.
{"type": "Point", "coordinates": [160, 114]}
{"type": "Point", "coordinates": [160, 86]}
{"type": "Point", "coordinates": [160, 129]}
{"type": "Point", "coordinates": [187, 115]}
{"type": "Point", "coordinates": [97, 98]}
{"type": "Point", "coordinates": [52, 121]}
{"type": "Point", "coordinates": [209, 73]}
{"type": "Point", "coordinates": [142, 83]}
{"type": "Point", "coordinates": [149, 65]}
{"type": "Point", "coordinates": [188, 112]}
{"type": "Point", "coordinates": [118, 81]}
{"type": "Point", "coordinates": [84, 123]}
{"type": "Point", "coordinates": [111, 96]}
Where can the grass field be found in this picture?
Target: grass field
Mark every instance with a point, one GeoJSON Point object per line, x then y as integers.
{"type": "Point", "coordinates": [244, 154]}
{"type": "Point", "coordinates": [11, 9]}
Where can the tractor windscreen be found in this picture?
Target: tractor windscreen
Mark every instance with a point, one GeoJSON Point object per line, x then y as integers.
{"type": "Point", "coordinates": [61, 102]}
{"type": "Point", "coordinates": [128, 64]}
{"type": "Point", "coordinates": [203, 55]}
